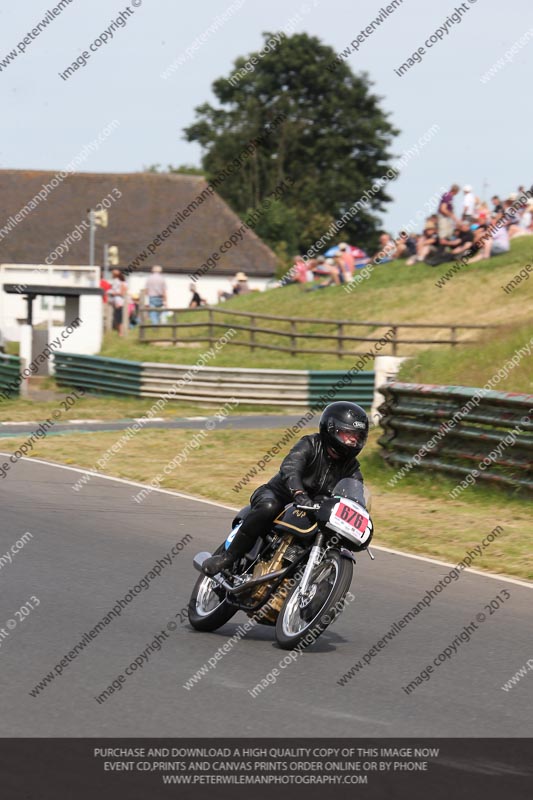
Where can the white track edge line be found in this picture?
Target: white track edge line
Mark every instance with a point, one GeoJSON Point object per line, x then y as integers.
{"type": "Point", "coordinates": [492, 575]}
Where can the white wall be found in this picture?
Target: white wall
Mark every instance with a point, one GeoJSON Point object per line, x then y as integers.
{"type": "Point", "coordinates": [87, 339]}
{"type": "Point", "coordinates": [14, 306]}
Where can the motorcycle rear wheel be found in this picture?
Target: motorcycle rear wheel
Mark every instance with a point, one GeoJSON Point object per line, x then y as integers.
{"type": "Point", "coordinates": [301, 627]}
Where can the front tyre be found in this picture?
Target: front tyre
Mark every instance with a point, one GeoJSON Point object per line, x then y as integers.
{"type": "Point", "coordinates": [302, 622]}
{"type": "Point", "coordinates": [208, 608]}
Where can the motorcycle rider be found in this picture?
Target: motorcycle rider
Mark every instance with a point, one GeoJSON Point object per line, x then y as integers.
{"type": "Point", "coordinates": [312, 467]}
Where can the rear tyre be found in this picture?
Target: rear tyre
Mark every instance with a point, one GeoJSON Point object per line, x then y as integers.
{"type": "Point", "coordinates": [208, 607]}
{"type": "Point", "coordinates": [301, 626]}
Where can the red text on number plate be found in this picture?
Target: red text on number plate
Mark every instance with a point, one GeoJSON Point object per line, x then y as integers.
{"type": "Point", "coordinates": [352, 517]}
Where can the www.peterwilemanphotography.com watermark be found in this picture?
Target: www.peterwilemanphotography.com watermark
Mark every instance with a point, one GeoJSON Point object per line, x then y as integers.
{"type": "Point", "coordinates": [142, 585]}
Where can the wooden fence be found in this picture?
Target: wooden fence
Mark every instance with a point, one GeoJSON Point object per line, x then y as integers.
{"type": "Point", "coordinates": [212, 326]}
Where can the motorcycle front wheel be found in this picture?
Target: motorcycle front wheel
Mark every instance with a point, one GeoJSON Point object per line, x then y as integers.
{"type": "Point", "coordinates": [208, 608]}
{"type": "Point", "coordinates": [301, 621]}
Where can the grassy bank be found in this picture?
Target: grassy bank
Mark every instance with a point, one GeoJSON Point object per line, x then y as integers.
{"type": "Point", "coordinates": [393, 293]}
{"type": "Point", "coordinates": [477, 364]}
{"type": "Point", "coordinates": [416, 516]}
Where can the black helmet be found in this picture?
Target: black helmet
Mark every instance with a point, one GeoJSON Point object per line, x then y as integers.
{"type": "Point", "coordinates": [344, 428]}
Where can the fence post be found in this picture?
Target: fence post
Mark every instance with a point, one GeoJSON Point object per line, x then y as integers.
{"type": "Point", "coordinates": [211, 328]}
{"type": "Point", "coordinates": [453, 337]}
{"type": "Point", "coordinates": [175, 327]}
{"type": "Point", "coordinates": [394, 339]}
{"type": "Point", "coordinates": [252, 334]}
{"type": "Point", "coordinates": [340, 340]}
{"type": "Point", "coordinates": [294, 340]}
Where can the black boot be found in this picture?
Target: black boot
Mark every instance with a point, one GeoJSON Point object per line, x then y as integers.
{"type": "Point", "coordinates": [240, 545]}
{"type": "Point", "coordinates": [212, 566]}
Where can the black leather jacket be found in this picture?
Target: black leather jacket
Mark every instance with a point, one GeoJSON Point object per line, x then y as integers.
{"type": "Point", "coordinates": [308, 467]}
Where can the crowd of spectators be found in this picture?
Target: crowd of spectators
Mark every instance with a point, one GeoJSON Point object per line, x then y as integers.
{"type": "Point", "coordinates": [470, 229]}
{"type": "Point", "coordinates": [476, 230]}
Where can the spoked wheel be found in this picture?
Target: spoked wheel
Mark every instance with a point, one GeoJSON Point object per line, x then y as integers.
{"type": "Point", "coordinates": [302, 620]}
{"type": "Point", "coordinates": [208, 607]}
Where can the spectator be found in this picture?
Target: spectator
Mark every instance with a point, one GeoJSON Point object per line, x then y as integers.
{"type": "Point", "coordinates": [117, 298]}
{"type": "Point", "coordinates": [482, 213]}
{"type": "Point", "coordinates": [494, 245]}
{"type": "Point", "coordinates": [447, 218]}
{"type": "Point", "coordinates": [329, 270]}
{"type": "Point", "coordinates": [326, 268]}
{"type": "Point", "coordinates": [464, 239]}
{"type": "Point", "coordinates": [105, 286]}
{"type": "Point", "coordinates": [469, 204]}
{"type": "Point", "coordinates": [511, 217]}
{"type": "Point", "coordinates": [527, 218]}
{"type": "Point", "coordinates": [348, 261]}
{"type": "Point", "coordinates": [239, 286]}
{"type": "Point", "coordinates": [300, 270]}
{"type": "Point", "coordinates": [133, 311]}
{"type": "Point", "coordinates": [387, 251]}
{"type": "Point", "coordinates": [405, 245]}
{"type": "Point", "coordinates": [339, 264]}
{"type": "Point", "coordinates": [426, 245]}
{"type": "Point", "coordinates": [156, 292]}
{"type": "Point", "coordinates": [196, 301]}
{"type": "Point", "coordinates": [497, 207]}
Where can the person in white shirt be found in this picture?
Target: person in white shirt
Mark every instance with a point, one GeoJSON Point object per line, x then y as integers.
{"type": "Point", "coordinates": [469, 204]}
{"type": "Point", "coordinates": [156, 293]}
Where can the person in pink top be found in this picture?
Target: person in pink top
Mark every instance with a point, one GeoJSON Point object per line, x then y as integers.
{"type": "Point", "coordinates": [348, 261]}
{"type": "Point", "coordinates": [300, 270]}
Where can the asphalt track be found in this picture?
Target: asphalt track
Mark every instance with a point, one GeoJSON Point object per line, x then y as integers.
{"type": "Point", "coordinates": [241, 422]}
{"type": "Point", "coordinates": [90, 547]}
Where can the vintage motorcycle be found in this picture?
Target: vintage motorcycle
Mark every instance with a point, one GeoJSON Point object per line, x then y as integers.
{"type": "Point", "coordinates": [297, 576]}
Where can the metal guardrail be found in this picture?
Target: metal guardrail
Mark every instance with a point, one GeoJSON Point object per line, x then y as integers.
{"type": "Point", "coordinates": [98, 374]}
{"type": "Point", "coordinates": [210, 385]}
{"type": "Point", "coordinates": [457, 430]}
{"type": "Point", "coordinates": [9, 374]}
{"type": "Point", "coordinates": [299, 331]}
{"type": "Point", "coordinates": [359, 390]}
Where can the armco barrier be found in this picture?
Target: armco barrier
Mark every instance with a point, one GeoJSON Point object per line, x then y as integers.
{"type": "Point", "coordinates": [97, 374]}
{"type": "Point", "coordinates": [359, 390]}
{"type": "Point", "coordinates": [457, 429]}
{"type": "Point", "coordinates": [9, 374]}
{"type": "Point", "coordinates": [210, 385]}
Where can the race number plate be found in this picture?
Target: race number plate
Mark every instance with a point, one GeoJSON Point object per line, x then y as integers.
{"type": "Point", "coordinates": [350, 518]}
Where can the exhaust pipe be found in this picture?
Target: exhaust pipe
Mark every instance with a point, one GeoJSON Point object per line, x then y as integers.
{"type": "Point", "coordinates": [198, 562]}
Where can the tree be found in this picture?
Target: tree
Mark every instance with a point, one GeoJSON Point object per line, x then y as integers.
{"type": "Point", "coordinates": [323, 128]}
{"type": "Point", "coordinates": [184, 169]}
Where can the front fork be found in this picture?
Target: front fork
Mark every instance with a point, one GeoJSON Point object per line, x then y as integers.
{"type": "Point", "coordinates": [314, 559]}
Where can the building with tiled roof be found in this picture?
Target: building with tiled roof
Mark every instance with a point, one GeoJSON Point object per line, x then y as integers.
{"type": "Point", "coordinates": [38, 211]}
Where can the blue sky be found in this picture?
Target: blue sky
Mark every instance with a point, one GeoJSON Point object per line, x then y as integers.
{"type": "Point", "coordinates": [483, 127]}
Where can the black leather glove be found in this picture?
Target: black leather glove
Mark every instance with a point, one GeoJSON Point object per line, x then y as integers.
{"type": "Point", "coordinates": [302, 499]}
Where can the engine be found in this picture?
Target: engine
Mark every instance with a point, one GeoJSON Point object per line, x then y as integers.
{"type": "Point", "coordinates": [287, 552]}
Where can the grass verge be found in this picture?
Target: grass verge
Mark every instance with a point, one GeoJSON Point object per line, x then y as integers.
{"type": "Point", "coordinates": [111, 407]}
